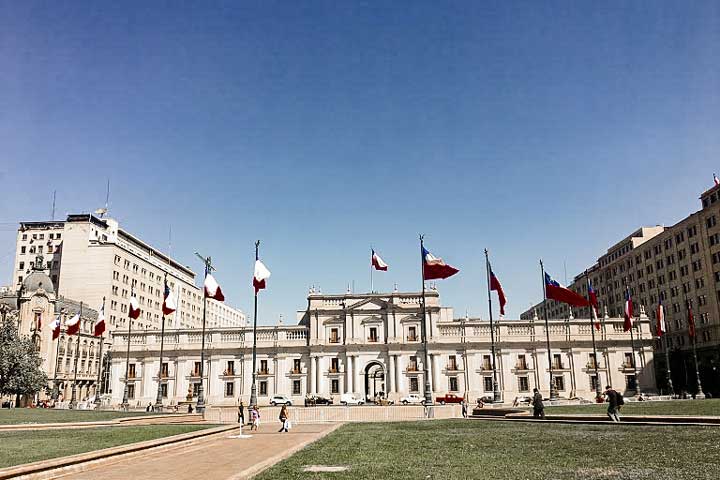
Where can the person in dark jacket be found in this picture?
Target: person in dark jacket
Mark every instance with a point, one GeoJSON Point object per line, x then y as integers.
{"type": "Point", "coordinates": [537, 403]}
{"type": "Point", "coordinates": [241, 413]}
{"type": "Point", "coordinates": [283, 417]}
{"type": "Point", "coordinates": [613, 403]}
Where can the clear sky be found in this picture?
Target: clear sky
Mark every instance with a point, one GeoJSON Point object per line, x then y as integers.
{"type": "Point", "coordinates": [533, 129]}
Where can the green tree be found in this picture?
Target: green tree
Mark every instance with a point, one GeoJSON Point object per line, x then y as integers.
{"type": "Point", "coordinates": [20, 363]}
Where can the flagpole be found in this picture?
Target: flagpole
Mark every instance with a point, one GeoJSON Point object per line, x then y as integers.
{"type": "Point", "coordinates": [73, 399]}
{"type": "Point", "coordinates": [56, 387]}
{"type": "Point", "coordinates": [553, 396]}
{"type": "Point", "coordinates": [158, 398]}
{"type": "Point", "coordinates": [632, 342]}
{"type": "Point", "coordinates": [200, 406]}
{"type": "Point", "coordinates": [496, 391]}
{"type": "Point", "coordinates": [371, 270]}
{"type": "Point", "coordinates": [125, 403]}
{"type": "Point", "coordinates": [593, 311]}
{"type": "Point", "coordinates": [694, 350]}
{"type": "Point", "coordinates": [100, 362]}
{"type": "Point", "coordinates": [423, 329]}
{"type": "Point", "coordinates": [667, 345]}
{"type": "Point", "coordinates": [253, 389]}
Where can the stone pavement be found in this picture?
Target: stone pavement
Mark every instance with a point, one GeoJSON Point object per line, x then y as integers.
{"type": "Point", "coordinates": [222, 458]}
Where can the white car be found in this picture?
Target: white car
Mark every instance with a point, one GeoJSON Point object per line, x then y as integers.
{"type": "Point", "coordinates": [413, 398]}
{"type": "Point", "coordinates": [280, 400]}
{"type": "Point", "coordinates": [349, 399]}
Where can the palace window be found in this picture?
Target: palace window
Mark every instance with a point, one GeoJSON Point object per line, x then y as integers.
{"type": "Point", "coordinates": [163, 390]}
{"type": "Point", "coordinates": [412, 366]}
{"type": "Point", "coordinates": [557, 362]}
{"type": "Point", "coordinates": [487, 363]}
{"type": "Point", "coordinates": [196, 370]}
{"type": "Point", "coordinates": [229, 389]}
{"type": "Point", "coordinates": [488, 384]}
{"type": "Point", "coordinates": [263, 367]}
{"type": "Point", "coordinates": [334, 365]}
{"type": "Point", "coordinates": [523, 384]}
{"type": "Point", "coordinates": [164, 370]}
{"type": "Point", "coordinates": [296, 387]}
{"type": "Point", "coordinates": [559, 383]}
{"type": "Point", "coordinates": [296, 365]}
{"type": "Point", "coordinates": [334, 335]}
{"type": "Point", "coordinates": [453, 384]}
{"type": "Point", "coordinates": [230, 370]}
{"type": "Point", "coordinates": [414, 384]}
{"type": "Point", "coordinates": [131, 391]}
{"type": "Point", "coordinates": [522, 363]}
{"type": "Point", "coordinates": [373, 334]}
{"type": "Point", "coordinates": [263, 388]}
{"type": "Point", "coordinates": [594, 382]}
{"type": "Point", "coordinates": [131, 370]}
{"type": "Point", "coordinates": [452, 362]}
{"type": "Point", "coordinates": [335, 386]}
{"type": "Point", "coordinates": [412, 334]}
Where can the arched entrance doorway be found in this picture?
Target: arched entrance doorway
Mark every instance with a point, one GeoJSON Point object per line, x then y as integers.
{"type": "Point", "coordinates": [374, 380]}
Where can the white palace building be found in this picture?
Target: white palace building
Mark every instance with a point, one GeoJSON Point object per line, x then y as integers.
{"type": "Point", "coordinates": [365, 344]}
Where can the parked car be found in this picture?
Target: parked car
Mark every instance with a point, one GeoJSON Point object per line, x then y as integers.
{"type": "Point", "coordinates": [350, 399]}
{"type": "Point", "coordinates": [412, 399]}
{"type": "Point", "coordinates": [280, 400]}
{"type": "Point", "coordinates": [449, 398]}
{"type": "Point", "coordinates": [486, 399]}
{"type": "Point", "coordinates": [312, 400]}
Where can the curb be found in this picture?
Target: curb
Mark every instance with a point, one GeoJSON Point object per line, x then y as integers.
{"type": "Point", "coordinates": [250, 472]}
{"type": "Point", "coordinates": [598, 421]}
{"type": "Point", "coordinates": [168, 419]}
{"type": "Point", "coordinates": [52, 468]}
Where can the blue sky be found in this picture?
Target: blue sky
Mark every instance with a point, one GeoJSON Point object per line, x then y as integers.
{"type": "Point", "coordinates": [534, 130]}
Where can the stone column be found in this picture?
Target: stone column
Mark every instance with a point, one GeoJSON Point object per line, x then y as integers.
{"type": "Point", "coordinates": [390, 375]}
{"type": "Point", "coordinates": [354, 374]}
{"type": "Point", "coordinates": [435, 375]}
{"type": "Point", "coordinates": [318, 375]}
{"type": "Point", "coordinates": [312, 376]}
{"type": "Point", "coordinates": [399, 380]}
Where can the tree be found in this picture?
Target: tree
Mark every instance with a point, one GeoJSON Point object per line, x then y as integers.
{"type": "Point", "coordinates": [20, 363]}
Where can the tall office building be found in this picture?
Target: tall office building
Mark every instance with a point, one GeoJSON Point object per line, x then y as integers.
{"type": "Point", "coordinates": [679, 265]}
{"type": "Point", "coordinates": [89, 259]}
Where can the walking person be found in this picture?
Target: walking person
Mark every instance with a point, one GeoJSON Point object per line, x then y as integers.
{"type": "Point", "coordinates": [283, 417]}
{"type": "Point", "coordinates": [464, 408]}
{"type": "Point", "coordinates": [241, 413]}
{"type": "Point", "coordinates": [254, 418]}
{"type": "Point", "coordinates": [613, 400]}
{"type": "Point", "coordinates": [537, 403]}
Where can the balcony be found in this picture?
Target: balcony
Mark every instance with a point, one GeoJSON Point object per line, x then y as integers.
{"type": "Point", "coordinates": [412, 369]}
{"type": "Point", "coordinates": [412, 338]}
{"type": "Point", "coordinates": [522, 367]}
{"type": "Point", "coordinates": [296, 371]}
{"type": "Point", "coordinates": [334, 371]}
{"type": "Point", "coordinates": [372, 339]}
{"type": "Point", "coordinates": [334, 340]}
{"type": "Point", "coordinates": [452, 367]}
{"type": "Point", "coordinates": [558, 366]}
{"type": "Point", "coordinates": [228, 373]}
{"type": "Point", "coordinates": [265, 372]}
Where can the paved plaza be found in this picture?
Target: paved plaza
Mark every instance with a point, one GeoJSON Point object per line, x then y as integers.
{"type": "Point", "coordinates": [217, 458]}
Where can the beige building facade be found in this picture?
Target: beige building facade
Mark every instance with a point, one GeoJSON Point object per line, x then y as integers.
{"type": "Point", "coordinates": [679, 264]}
{"type": "Point", "coordinates": [90, 259]}
{"type": "Point", "coordinates": [369, 345]}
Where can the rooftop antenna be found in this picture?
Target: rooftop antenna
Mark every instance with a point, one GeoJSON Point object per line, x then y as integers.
{"type": "Point", "coordinates": [103, 211]}
{"type": "Point", "coordinates": [53, 205]}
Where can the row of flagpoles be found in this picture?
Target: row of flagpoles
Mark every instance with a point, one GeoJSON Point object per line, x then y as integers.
{"type": "Point", "coordinates": [433, 268]}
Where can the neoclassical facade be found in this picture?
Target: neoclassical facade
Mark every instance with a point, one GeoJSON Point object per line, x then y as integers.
{"type": "Point", "coordinates": [365, 344]}
{"type": "Point", "coordinates": [33, 307]}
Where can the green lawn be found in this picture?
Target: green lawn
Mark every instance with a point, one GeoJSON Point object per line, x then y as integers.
{"type": "Point", "coordinates": [49, 415]}
{"type": "Point", "coordinates": [31, 446]}
{"type": "Point", "coordinates": [672, 407]}
{"type": "Point", "coordinates": [472, 449]}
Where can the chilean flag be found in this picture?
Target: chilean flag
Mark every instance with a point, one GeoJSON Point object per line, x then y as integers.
{"type": "Point", "coordinates": [55, 326]}
{"type": "Point", "coordinates": [628, 310]}
{"type": "Point", "coordinates": [168, 305]}
{"type": "Point", "coordinates": [100, 324]}
{"type": "Point", "coordinates": [434, 268]}
{"type": "Point", "coordinates": [715, 179]}
{"type": "Point", "coordinates": [555, 291]}
{"type": "Point", "coordinates": [495, 285]}
{"type": "Point", "coordinates": [660, 319]}
{"type": "Point", "coordinates": [134, 310]}
{"type": "Point", "coordinates": [691, 320]}
{"type": "Point", "coordinates": [378, 263]}
{"type": "Point", "coordinates": [259, 276]}
{"type": "Point", "coordinates": [73, 325]}
{"type": "Point", "coordinates": [592, 299]}
{"type": "Point", "coordinates": [212, 289]}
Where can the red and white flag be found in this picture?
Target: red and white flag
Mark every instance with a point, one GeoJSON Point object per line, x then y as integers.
{"type": "Point", "coordinates": [378, 263]}
{"type": "Point", "coordinates": [134, 310]}
{"type": "Point", "coordinates": [212, 289]}
{"type": "Point", "coordinates": [259, 276]}
{"type": "Point", "coordinates": [715, 179]}
{"type": "Point", "coordinates": [55, 326]}
{"type": "Point", "coordinates": [100, 324]}
{"type": "Point", "coordinates": [628, 310]}
{"type": "Point", "coordinates": [434, 268]}
{"type": "Point", "coordinates": [169, 305]}
{"type": "Point", "coordinates": [660, 319]}
{"type": "Point", "coordinates": [73, 325]}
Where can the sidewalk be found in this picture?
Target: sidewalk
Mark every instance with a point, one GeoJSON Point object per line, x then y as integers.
{"type": "Point", "coordinates": [217, 459]}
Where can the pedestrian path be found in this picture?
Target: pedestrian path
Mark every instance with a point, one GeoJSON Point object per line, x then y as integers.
{"type": "Point", "coordinates": [223, 458]}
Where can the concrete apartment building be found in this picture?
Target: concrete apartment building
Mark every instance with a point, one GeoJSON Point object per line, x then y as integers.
{"type": "Point", "coordinates": [676, 264]}
{"type": "Point", "coordinates": [90, 258]}
{"type": "Point", "coordinates": [366, 344]}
